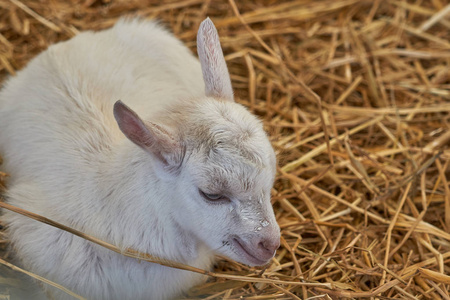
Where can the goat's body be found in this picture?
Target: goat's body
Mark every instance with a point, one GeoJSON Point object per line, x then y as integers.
{"type": "Point", "coordinates": [74, 85]}
{"type": "Point", "coordinates": [69, 161]}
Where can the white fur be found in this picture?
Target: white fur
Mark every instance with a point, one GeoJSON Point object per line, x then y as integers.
{"type": "Point", "coordinates": [70, 162]}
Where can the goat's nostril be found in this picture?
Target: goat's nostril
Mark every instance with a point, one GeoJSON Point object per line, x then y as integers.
{"type": "Point", "coordinates": [262, 245]}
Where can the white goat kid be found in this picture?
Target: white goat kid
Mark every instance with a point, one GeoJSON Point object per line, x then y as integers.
{"type": "Point", "coordinates": [189, 180]}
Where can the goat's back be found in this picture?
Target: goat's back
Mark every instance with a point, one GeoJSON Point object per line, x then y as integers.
{"type": "Point", "coordinates": [59, 108]}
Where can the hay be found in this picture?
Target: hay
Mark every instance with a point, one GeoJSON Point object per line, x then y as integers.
{"type": "Point", "coordinates": [355, 97]}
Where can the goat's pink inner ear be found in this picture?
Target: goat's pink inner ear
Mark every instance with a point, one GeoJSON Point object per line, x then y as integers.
{"type": "Point", "coordinates": [150, 137]}
{"type": "Point", "coordinates": [214, 68]}
{"type": "Point", "coordinates": [131, 125]}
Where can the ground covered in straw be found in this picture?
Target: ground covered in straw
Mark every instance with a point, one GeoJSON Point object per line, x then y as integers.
{"type": "Point", "coordinates": [355, 96]}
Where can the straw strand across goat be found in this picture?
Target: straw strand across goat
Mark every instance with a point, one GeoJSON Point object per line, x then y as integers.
{"type": "Point", "coordinates": [191, 179]}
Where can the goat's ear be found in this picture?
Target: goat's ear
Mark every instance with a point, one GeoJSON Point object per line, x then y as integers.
{"type": "Point", "coordinates": [153, 138]}
{"type": "Point", "coordinates": [214, 68]}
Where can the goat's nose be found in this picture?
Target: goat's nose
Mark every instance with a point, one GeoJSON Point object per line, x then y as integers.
{"type": "Point", "coordinates": [269, 246]}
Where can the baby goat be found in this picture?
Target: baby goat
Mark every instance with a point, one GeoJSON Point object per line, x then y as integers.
{"type": "Point", "coordinates": [181, 171]}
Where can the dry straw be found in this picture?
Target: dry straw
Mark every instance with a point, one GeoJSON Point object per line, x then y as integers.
{"type": "Point", "coordinates": [355, 97]}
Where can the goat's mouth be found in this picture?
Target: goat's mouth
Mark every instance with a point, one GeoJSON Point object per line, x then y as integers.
{"type": "Point", "coordinates": [243, 251]}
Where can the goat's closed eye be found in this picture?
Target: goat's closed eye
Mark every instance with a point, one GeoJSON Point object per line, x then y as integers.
{"type": "Point", "coordinates": [212, 197]}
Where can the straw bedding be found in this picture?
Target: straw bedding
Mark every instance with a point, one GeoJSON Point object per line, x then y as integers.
{"type": "Point", "coordinates": [355, 97]}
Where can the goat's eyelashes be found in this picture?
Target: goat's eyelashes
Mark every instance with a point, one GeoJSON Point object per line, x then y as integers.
{"type": "Point", "coordinates": [212, 197]}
